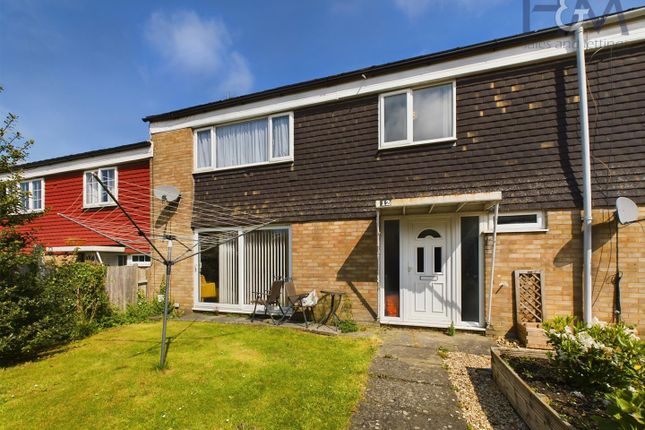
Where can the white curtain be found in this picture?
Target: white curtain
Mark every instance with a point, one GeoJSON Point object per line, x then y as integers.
{"type": "Point", "coordinates": [91, 189]}
{"type": "Point", "coordinates": [266, 258]}
{"type": "Point", "coordinates": [204, 149]}
{"type": "Point", "coordinates": [432, 112]}
{"type": "Point", "coordinates": [243, 143]}
{"type": "Point", "coordinates": [228, 273]}
{"type": "Point", "coordinates": [280, 130]}
{"type": "Point", "coordinates": [395, 111]}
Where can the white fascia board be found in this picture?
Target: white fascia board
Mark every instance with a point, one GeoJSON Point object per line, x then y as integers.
{"type": "Point", "coordinates": [120, 249]}
{"type": "Point", "coordinates": [608, 35]}
{"type": "Point", "coordinates": [89, 163]}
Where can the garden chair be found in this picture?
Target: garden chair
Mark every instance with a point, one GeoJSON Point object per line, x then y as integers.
{"type": "Point", "coordinates": [296, 303]}
{"type": "Point", "coordinates": [272, 298]}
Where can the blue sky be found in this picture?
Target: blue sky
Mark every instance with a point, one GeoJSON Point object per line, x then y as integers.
{"type": "Point", "coordinates": [82, 74]}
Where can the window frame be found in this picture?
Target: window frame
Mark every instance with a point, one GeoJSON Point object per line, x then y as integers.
{"type": "Point", "coordinates": [131, 261]}
{"type": "Point", "coordinates": [271, 159]}
{"type": "Point", "coordinates": [109, 203]}
{"type": "Point", "coordinates": [409, 141]}
{"type": "Point", "coordinates": [538, 226]}
{"type": "Point", "coordinates": [31, 195]}
{"type": "Point", "coordinates": [241, 267]}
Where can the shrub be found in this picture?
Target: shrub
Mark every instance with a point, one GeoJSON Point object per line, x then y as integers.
{"type": "Point", "coordinates": [599, 357]}
{"type": "Point", "coordinates": [45, 305]}
{"type": "Point", "coordinates": [348, 326]}
{"type": "Point", "coordinates": [625, 409]}
{"type": "Point", "coordinates": [79, 291]}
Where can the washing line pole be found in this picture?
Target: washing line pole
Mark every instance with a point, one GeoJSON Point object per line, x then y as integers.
{"type": "Point", "coordinates": [166, 261]}
{"type": "Point", "coordinates": [586, 175]}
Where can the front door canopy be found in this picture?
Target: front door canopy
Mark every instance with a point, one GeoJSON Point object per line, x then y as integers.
{"type": "Point", "coordinates": [450, 203]}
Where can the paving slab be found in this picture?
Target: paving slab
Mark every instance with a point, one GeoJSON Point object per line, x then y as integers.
{"type": "Point", "coordinates": [408, 386]}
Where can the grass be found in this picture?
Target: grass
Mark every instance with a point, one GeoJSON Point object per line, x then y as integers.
{"type": "Point", "coordinates": [218, 376]}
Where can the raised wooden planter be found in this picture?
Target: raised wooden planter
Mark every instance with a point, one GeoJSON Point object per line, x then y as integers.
{"type": "Point", "coordinates": [536, 413]}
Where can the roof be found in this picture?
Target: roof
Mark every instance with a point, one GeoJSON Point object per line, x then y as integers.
{"type": "Point", "coordinates": [419, 61]}
{"type": "Point", "coordinates": [88, 154]}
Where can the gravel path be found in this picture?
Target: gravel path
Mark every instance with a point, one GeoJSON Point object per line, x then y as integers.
{"type": "Point", "coordinates": [484, 406]}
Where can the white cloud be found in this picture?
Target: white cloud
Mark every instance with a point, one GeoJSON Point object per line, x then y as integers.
{"type": "Point", "coordinates": [416, 8]}
{"type": "Point", "coordinates": [238, 78]}
{"type": "Point", "coordinates": [199, 46]}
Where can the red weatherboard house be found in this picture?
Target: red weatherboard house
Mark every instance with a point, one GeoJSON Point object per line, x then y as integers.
{"type": "Point", "coordinates": [66, 185]}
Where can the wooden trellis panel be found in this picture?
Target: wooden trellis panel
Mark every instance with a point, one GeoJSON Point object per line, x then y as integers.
{"type": "Point", "coordinates": [529, 296]}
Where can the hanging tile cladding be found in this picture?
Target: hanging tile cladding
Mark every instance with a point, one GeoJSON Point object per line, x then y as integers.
{"type": "Point", "coordinates": [517, 129]}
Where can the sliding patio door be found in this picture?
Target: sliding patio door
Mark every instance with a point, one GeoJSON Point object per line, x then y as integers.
{"type": "Point", "coordinates": [233, 272]}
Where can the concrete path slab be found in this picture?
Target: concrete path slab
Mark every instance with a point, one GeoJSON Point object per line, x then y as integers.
{"type": "Point", "coordinates": [408, 387]}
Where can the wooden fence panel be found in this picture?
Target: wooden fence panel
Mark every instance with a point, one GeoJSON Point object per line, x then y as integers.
{"type": "Point", "coordinates": [122, 283]}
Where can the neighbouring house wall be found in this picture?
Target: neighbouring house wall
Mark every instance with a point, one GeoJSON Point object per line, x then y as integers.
{"type": "Point", "coordinates": [64, 194]}
{"type": "Point", "coordinates": [173, 165]}
{"type": "Point", "coordinates": [558, 253]}
{"type": "Point", "coordinates": [341, 256]}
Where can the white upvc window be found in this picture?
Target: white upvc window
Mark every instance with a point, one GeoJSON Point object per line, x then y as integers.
{"type": "Point", "coordinates": [32, 195]}
{"type": "Point", "coordinates": [526, 221]}
{"type": "Point", "coordinates": [141, 260]}
{"type": "Point", "coordinates": [248, 143]}
{"type": "Point", "coordinates": [94, 195]}
{"type": "Point", "coordinates": [417, 116]}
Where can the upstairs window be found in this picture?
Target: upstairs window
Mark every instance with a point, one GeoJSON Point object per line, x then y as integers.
{"type": "Point", "coordinates": [32, 195]}
{"type": "Point", "coordinates": [418, 116]}
{"type": "Point", "coordinates": [94, 194]}
{"type": "Point", "coordinates": [248, 143]}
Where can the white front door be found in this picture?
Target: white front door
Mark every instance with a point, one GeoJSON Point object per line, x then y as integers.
{"type": "Point", "coordinates": [427, 297]}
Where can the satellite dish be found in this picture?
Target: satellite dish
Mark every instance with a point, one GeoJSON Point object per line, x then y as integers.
{"type": "Point", "coordinates": [626, 210]}
{"type": "Point", "coordinates": [166, 193]}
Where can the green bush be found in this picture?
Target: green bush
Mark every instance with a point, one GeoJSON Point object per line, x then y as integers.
{"type": "Point", "coordinates": [26, 322]}
{"type": "Point", "coordinates": [79, 291]}
{"type": "Point", "coordinates": [625, 409]}
{"type": "Point", "coordinates": [45, 305]}
{"type": "Point", "coordinates": [348, 326]}
{"type": "Point", "coordinates": [600, 357]}
{"type": "Point", "coordinates": [141, 311]}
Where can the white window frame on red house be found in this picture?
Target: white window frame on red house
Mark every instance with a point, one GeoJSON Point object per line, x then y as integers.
{"type": "Point", "coordinates": [99, 204]}
{"type": "Point", "coordinates": [30, 196]}
{"type": "Point", "coordinates": [213, 144]}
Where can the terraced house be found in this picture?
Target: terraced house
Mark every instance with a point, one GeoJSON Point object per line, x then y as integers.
{"type": "Point", "coordinates": [383, 181]}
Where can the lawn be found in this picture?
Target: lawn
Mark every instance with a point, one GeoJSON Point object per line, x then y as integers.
{"type": "Point", "coordinates": [218, 376]}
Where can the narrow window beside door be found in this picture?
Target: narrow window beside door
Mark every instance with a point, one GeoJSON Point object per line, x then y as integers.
{"type": "Point", "coordinates": [391, 268]}
{"type": "Point", "coordinates": [470, 269]}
